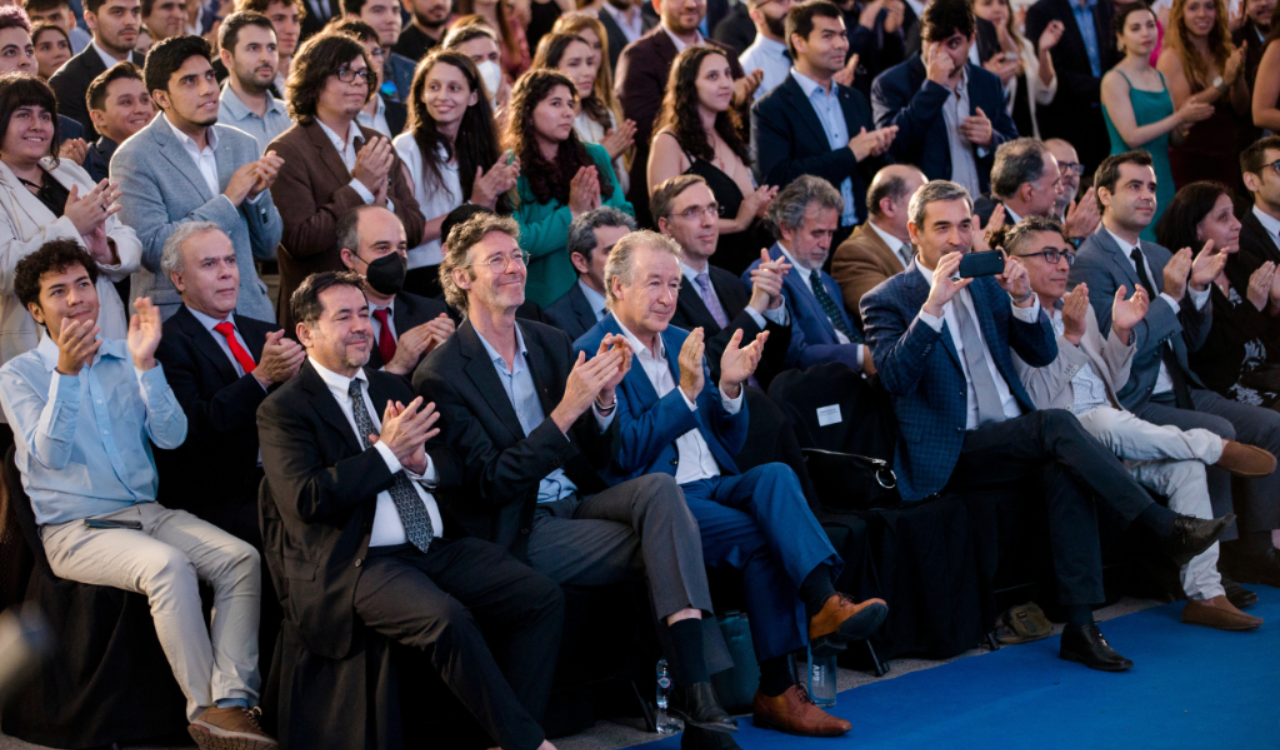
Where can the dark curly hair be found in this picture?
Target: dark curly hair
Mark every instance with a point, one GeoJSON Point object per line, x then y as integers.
{"type": "Point", "coordinates": [318, 58]}
{"type": "Point", "coordinates": [18, 90]}
{"type": "Point", "coordinates": [550, 51]}
{"type": "Point", "coordinates": [54, 256]}
{"type": "Point", "coordinates": [476, 144]}
{"type": "Point", "coordinates": [943, 18]}
{"type": "Point", "coordinates": [680, 109]}
{"type": "Point", "coordinates": [547, 180]}
{"type": "Point", "coordinates": [1177, 226]}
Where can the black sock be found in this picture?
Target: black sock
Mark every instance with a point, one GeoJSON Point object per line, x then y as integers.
{"type": "Point", "coordinates": [816, 590]}
{"type": "Point", "coordinates": [1158, 519]}
{"type": "Point", "coordinates": [1079, 615]}
{"type": "Point", "coordinates": [775, 675]}
{"type": "Point", "coordinates": [689, 665]}
{"type": "Point", "coordinates": [1257, 542]}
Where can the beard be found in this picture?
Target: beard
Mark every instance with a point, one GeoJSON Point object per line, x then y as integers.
{"type": "Point", "coordinates": [776, 26]}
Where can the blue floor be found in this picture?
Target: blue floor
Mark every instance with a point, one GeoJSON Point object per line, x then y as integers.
{"type": "Point", "coordinates": [1192, 687]}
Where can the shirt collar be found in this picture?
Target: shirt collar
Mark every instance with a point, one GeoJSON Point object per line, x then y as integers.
{"type": "Point", "coordinates": [1075, 5]}
{"type": "Point", "coordinates": [47, 350]}
{"type": "Point", "coordinates": [207, 321]}
{"type": "Point", "coordinates": [894, 243]}
{"type": "Point", "coordinates": [926, 273]}
{"type": "Point", "coordinates": [637, 346]}
{"type": "Point", "coordinates": [495, 357]}
{"type": "Point", "coordinates": [239, 110]}
{"type": "Point", "coordinates": [338, 383]}
{"type": "Point", "coordinates": [796, 268]}
{"type": "Point", "coordinates": [680, 45]}
{"type": "Point", "coordinates": [210, 135]}
{"type": "Point", "coordinates": [353, 132]}
{"type": "Point", "coordinates": [691, 273]}
{"type": "Point", "coordinates": [1269, 223]}
{"type": "Point", "coordinates": [1125, 246]}
{"type": "Point", "coordinates": [777, 50]}
{"type": "Point", "coordinates": [808, 85]}
{"type": "Point", "coordinates": [594, 298]}
{"type": "Point", "coordinates": [107, 60]}
{"type": "Point", "coordinates": [1013, 218]}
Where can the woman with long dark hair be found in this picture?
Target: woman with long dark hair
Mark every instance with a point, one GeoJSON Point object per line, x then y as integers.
{"type": "Point", "coordinates": [451, 149]}
{"type": "Point", "coordinates": [561, 178]}
{"type": "Point", "coordinates": [1240, 359]}
{"type": "Point", "coordinates": [699, 133]}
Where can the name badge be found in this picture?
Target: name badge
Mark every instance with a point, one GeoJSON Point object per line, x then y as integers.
{"type": "Point", "coordinates": [829, 415]}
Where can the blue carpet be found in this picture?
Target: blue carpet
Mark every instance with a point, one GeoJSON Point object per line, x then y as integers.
{"type": "Point", "coordinates": [1191, 687]}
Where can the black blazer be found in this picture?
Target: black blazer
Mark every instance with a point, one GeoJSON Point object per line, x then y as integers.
{"type": "Point", "coordinates": [408, 311]}
{"type": "Point", "coordinates": [325, 488]}
{"type": "Point", "coordinates": [736, 29]}
{"type": "Point", "coordinates": [789, 140]}
{"type": "Point", "coordinates": [97, 162]}
{"type": "Point", "coordinates": [397, 114]}
{"type": "Point", "coordinates": [214, 471]}
{"type": "Point", "coordinates": [617, 39]}
{"type": "Point", "coordinates": [71, 82]}
{"type": "Point", "coordinates": [571, 313]}
{"type": "Point", "coordinates": [1257, 246]}
{"type": "Point", "coordinates": [692, 312]}
{"type": "Point", "coordinates": [495, 486]}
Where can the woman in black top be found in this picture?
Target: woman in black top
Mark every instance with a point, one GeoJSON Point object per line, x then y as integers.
{"type": "Point", "coordinates": [1241, 356]}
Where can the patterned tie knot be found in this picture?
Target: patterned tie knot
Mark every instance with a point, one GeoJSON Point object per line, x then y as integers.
{"type": "Point", "coordinates": [356, 388]}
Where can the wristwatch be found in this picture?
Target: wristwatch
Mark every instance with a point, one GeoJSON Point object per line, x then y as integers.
{"type": "Point", "coordinates": [1221, 85]}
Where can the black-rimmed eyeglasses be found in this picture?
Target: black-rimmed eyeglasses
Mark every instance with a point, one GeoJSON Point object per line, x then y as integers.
{"type": "Point", "coordinates": [1053, 256]}
{"type": "Point", "coordinates": [347, 75]}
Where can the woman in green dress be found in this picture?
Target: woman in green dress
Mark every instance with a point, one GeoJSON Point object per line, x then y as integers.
{"type": "Point", "coordinates": [1137, 106]}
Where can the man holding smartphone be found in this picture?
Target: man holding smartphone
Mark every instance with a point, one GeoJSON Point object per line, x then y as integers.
{"type": "Point", "coordinates": [942, 346]}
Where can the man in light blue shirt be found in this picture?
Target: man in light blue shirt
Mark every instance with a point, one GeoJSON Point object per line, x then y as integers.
{"type": "Point", "coordinates": [84, 411]}
{"type": "Point", "coordinates": [768, 53]}
{"type": "Point", "coordinates": [248, 49]}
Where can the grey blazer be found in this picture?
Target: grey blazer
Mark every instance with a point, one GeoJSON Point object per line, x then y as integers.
{"type": "Point", "coordinates": [1102, 265]}
{"type": "Point", "coordinates": [162, 188]}
{"type": "Point", "coordinates": [1051, 387]}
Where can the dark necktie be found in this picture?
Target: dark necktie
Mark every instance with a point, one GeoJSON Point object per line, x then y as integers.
{"type": "Point", "coordinates": [229, 331]}
{"type": "Point", "coordinates": [1181, 394]}
{"type": "Point", "coordinates": [386, 342]}
{"type": "Point", "coordinates": [409, 505]}
{"type": "Point", "coordinates": [829, 305]}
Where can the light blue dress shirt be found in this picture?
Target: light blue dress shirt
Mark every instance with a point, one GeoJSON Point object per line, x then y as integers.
{"type": "Point", "coordinates": [826, 104]}
{"type": "Point", "coordinates": [264, 129]}
{"type": "Point", "coordinates": [595, 299]}
{"type": "Point", "coordinates": [84, 443]}
{"type": "Point", "coordinates": [1084, 19]}
{"type": "Point", "coordinates": [523, 395]}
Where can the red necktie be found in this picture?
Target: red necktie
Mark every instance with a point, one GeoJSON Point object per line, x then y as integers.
{"type": "Point", "coordinates": [386, 342]}
{"type": "Point", "coordinates": [237, 351]}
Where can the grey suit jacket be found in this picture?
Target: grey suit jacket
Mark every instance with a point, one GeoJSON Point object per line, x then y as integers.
{"type": "Point", "coordinates": [1102, 265]}
{"type": "Point", "coordinates": [162, 188]}
{"type": "Point", "coordinates": [1050, 386]}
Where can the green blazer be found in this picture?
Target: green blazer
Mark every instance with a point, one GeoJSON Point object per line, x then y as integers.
{"type": "Point", "coordinates": [544, 233]}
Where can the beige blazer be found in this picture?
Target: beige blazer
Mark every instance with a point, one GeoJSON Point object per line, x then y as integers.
{"type": "Point", "coordinates": [861, 263]}
{"type": "Point", "coordinates": [25, 225]}
{"type": "Point", "coordinates": [1050, 387]}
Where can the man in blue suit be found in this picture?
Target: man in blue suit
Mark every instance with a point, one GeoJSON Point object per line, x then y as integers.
{"type": "Point", "coordinates": [806, 215]}
{"type": "Point", "coordinates": [942, 346]}
{"type": "Point", "coordinates": [672, 419]}
{"type": "Point", "coordinates": [949, 112]}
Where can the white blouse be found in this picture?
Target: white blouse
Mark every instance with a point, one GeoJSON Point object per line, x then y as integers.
{"type": "Point", "coordinates": [1037, 92]}
{"type": "Point", "coordinates": [590, 131]}
{"type": "Point", "coordinates": [433, 201]}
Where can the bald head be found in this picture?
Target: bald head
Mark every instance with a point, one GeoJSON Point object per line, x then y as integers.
{"type": "Point", "coordinates": [890, 193]}
{"type": "Point", "coordinates": [1070, 168]}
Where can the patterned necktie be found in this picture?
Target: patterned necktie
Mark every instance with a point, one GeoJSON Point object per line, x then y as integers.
{"type": "Point", "coordinates": [386, 342]}
{"type": "Point", "coordinates": [990, 408]}
{"type": "Point", "coordinates": [229, 332]}
{"type": "Point", "coordinates": [1181, 394]}
{"type": "Point", "coordinates": [413, 513]}
{"type": "Point", "coordinates": [829, 305]}
{"type": "Point", "coordinates": [710, 299]}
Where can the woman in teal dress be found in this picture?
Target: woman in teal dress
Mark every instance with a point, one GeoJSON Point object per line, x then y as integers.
{"type": "Point", "coordinates": [561, 178]}
{"type": "Point", "coordinates": [1137, 106]}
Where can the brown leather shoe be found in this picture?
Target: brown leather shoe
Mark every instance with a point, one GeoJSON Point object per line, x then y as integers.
{"type": "Point", "coordinates": [1246, 460]}
{"type": "Point", "coordinates": [1219, 613]}
{"type": "Point", "coordinates": [843, 620]}
{"type": "Point", "coordinates": [794, 712]}
{"type": "Point", "coordinates": [232, 728]}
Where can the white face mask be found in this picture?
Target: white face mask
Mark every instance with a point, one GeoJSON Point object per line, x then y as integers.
{"type": "Point", "coordinates": [491, 74]}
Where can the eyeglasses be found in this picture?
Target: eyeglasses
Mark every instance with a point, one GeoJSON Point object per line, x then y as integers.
{"type": "Point", "coordinates": [347, 75]}
{"type": "Point", "coordinates": [711, 209]}
{"type": "Point", "coordinates": [501, 262]}
{"type": "Point", "coordinates": [1275, 165]}
{"type": "Point", "coordinates": [1053, 256]}
{"type": "Point", "coordinates": [1071, 167]}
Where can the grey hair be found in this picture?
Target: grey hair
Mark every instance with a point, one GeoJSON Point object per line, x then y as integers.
{"type": "Point", "coordinates": [620, 258]}
{"type": "Point", "coordinates": [171, 256]}
{"type": "Point", "coordinates": [790, 205]}
{"type": "Point", "coordinates": [936, 191]}
{"type": "Point", "coordinates": [1019, 234]}
{"type": "Point", "coordinates": [1018, 162]}
{"type": "Point", "coordinates": [582, 232]}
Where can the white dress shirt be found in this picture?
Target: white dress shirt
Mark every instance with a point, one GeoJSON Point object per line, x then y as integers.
{"type": "Point", "coordinates": [1269, 223]}
{"type": "Point", "coordinates": [696, 460]}
{"type": "Point", "coordinates": [964, 167]}
{"type": "Point", "coordinates": [388, 529]}
{"type": "Point", "coordinates": [595, 299]}
{"type": "Point", "coordinates": [347, 150]}
{"type": "Point", "coordinates": [204, 158]}
{"type": "Point", "coordinates": [778, 315]}
{"type": "Point", "coordinates": [1026, 314]}
{"type": "Point", "coordinates": [769, 56]}
{"type": "Point", "coordinates": [434, 201]}
{"type": "Point", "coordinates": [806, 275]}
{"type": "Point", "coordinates": [901, 250]}
{"type": "Point", "coordinates": [632, 28]}
{"type": "Point", "coordinates": [376, 121]}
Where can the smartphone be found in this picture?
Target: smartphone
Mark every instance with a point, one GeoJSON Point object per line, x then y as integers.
{"type": "Point", "coordinates": [98, 523]}
{"type": "Point", "coordinates": [981, 264]}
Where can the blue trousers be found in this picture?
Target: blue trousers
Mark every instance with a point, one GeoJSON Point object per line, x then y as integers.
{"type": "Point", "coordinates": [759, 523]}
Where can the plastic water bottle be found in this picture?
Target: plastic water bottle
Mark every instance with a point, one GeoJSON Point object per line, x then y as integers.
{"type": "Point", "coordinates": [663, 721]}
{"type": "Point", "coordinates": [822, 680]}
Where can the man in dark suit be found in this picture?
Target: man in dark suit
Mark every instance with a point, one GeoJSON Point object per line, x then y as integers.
{"type": "Point", "coordinates": [1162, 388]}
{"type": "Point", "coordinates": [591, 237]}
{"type": "Point", "coordinates": [119, 105]}
{"type": "Point", "coordinates": [736, 29]}
{"type": "Point", "coordinates": [943, 349]}
{"type": "Point", "coordinates": [406, 327]}
{"type": "Point", "coordinates": [642, 82]}
{"type": "Point", "coordinates": [712, 298]}
{"type": "Point", "coordinates": [364, 540]}
{"type": "Point", "coordinates": [624, 21]}
{"type": "Point", "coordinates": [531, 426]}
{"type": "Point", "coordinates": [1087, 51]}
{"type": "Point", "coordinates": [1026, 180]}
{"type": "Point", "coordinates": [331, 163]}
{"type": "Point", "coordinates": [950, 112]}
{"type": "Point", "coordinates": [314, 16]}
{"type": "Point", "coordinates": [1260, 227]}
{"type": "Point", "coordinates": [115, 25]}
{"type": "Point", "coordinates": [805, 215]}
{"type": "Point", "coordinates": [674, 420]}
{"type": "Point", "coordinates": [811, 125]}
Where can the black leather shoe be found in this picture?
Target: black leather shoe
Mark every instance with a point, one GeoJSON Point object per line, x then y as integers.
{"type": "Point", "coordinates": [1192, 535]}
{"type": "Point", "coordinates": [1087, 646]}
{"type": "Point", "coordinates": [697, 706]}
{"type": "Point", "coordinates": [1250, 567]}
{"type": "Point", "coordinates": [700, 739]}
{"type": "Point", "coordinates": [1239, 596]}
